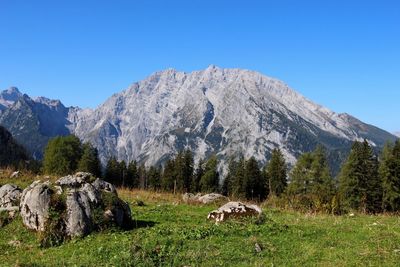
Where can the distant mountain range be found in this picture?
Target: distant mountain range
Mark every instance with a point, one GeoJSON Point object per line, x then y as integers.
{"type": "Point", "coordinates": [228, 112]}
{"type": "Point", "coordinates": [397, 134]}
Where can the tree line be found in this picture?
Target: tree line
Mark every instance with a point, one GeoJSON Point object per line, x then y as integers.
{"type": "Point", "coordinates": [366, 182]}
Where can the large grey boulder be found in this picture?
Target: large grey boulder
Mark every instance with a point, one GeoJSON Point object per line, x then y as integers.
{"type": "Point", "coordinates": [234, 209]}
{"type": "Point", "coordinates": [10, 196]}
{"type": "Point", "coordinates": [34, 206]}
{"type": "Point", "coordinates": [81, 201]}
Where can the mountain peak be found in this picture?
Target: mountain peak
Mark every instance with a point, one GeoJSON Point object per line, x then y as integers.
{"type": "Point", "coordinates": [8, 97]}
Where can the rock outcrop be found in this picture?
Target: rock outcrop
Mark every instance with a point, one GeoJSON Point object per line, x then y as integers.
{"type": "Point", "coordinates": [204, 199]}
{"type": "Point", "coordinates": [80, 203]}
{"type": "Point", "coordinates": [34, 206]}
{"type": "Point", "coordinates": [234, 209]}
{"type": "Point", "coordinates": [10, 196]}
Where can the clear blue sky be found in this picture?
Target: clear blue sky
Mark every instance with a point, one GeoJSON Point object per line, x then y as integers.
{"type": "Point", "coordinates": [341, 54]}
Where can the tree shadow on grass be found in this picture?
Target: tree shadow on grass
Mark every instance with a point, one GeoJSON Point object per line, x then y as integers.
{"type": "Point", "coordinates": [143, 224]}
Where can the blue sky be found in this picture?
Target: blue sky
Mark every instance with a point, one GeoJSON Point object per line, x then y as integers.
{"type": "Point", "coordinates": [342, 54]}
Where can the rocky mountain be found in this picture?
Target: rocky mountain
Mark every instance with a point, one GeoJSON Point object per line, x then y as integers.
{"type": "Point", "coordinates": [223, 111]}
{"type": "Point", "coordinates": [397, 134]}
{"type": "Point", "coordinates": [8, 97]}
{"type": "Point", "coordinates": [33, 122]}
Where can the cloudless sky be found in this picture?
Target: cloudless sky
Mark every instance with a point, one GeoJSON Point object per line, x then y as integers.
{"type": "Point", "coordinates": [341, 54]}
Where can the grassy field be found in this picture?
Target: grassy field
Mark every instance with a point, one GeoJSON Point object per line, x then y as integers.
{"type": "Point", "coordinates": [170, 233]}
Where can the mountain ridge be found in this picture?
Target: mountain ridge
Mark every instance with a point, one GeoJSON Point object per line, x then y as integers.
{"type": "Point", "coordinates": [219, 111]}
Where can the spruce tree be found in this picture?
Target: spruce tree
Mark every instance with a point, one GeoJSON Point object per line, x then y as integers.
{"type": "Point", "coordinates": [276, 173]}
{"type": "Point", "coordinates": [389, 171]}
{"type": "Point", "coordinates": [195, 185]}
{"type": "Point", "coordinates": [255, 184]}
{"type": "Point", "coordinates": [169, 176]}
{"type": "Point", "coordinates": [360, 186]}
{"type": "Point", "coordinates": [112, 171]}
{"type": "Point", "coordinates": [62, 155]}
{"type": "Point", "coordinates": [311, 184]}
{"type": "Point", "coordinates": [132, 175]}
{"type": "Point", "coordinates": [210, 180]}
{"type": "Point", "coordinates": [89, 161]}
{"type": "Point", "coordinates": [154, 178]}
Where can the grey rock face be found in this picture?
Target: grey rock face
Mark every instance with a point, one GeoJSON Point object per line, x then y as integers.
{"type": "Point", "coordinates": [74, 181]}
{"type": "Point", "coordinates": [105, 186]}
{"type": "Point", "coordinates": [10, 196]}
{"type": "Point", "coordinates": [78, 220]}
{"type": "Point", "coordinates": [233, 209]}
{"type": "Point", "coordinates": [34, 206]}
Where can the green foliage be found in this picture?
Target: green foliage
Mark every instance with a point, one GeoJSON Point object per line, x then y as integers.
{"type": "Point", "coordinates": [360, 186]}
{"type": "Point", "coordinates": [389, 172]}
{"type": "Point", "coordinates": [89, 161]}
{"type": "Point", "coordinates": [132, 175]}
{"type": "Point", "coordinates": [311, 185]}
{"type": "Point", "coordinates": [275, 173]}
{"type": "Point", "coordinates": [62, 155]}
{"type": "Point", "coordinates": [154, 176]}
{"type": "Point", "coordinates": [178, 235]}
{"type": "Point", "coordinates": [11, 153]}
{"type": "Point", "coordinates": [255, 185]}
{"type": "Point", "coordinates": [53, 234]}
{"type": "Point", "coordinates": [169, 176]}
{"type": "Point", "coordinates": [209, 182]}
{"type": "Point", "coordinates": [116, 172]}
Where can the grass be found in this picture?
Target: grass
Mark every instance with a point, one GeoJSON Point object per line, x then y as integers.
{"type": "Point", "coordinates": [168, 232]}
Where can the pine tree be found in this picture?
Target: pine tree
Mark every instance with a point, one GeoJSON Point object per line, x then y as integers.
{"type": "Point", "coordinates": [112, 171]}
{"type": "Point", "coordinates": [89, 161]}
{"type": "Point", "coordinates": [389, 171]}
{"type": "Point", "coordinates": [255, 184]}
{"type": "Point", "coordinates": [132, 175]}
{"type": "Point", "coordinates": [239, 182]}
{"type": "Point", "coordinates": [359, 183]}
{"type": "Point", "coordinates": [311, 185]}
{"type": "Point", "coordinates": [210, 180]}
{"type": "Point", "coordinates": [11, 153]}
{"type": "Point", "coordinates": [276, 173]}
{"type": "Point", "coordinates": [62, 155]}
{"type": "Point", "coordinates": [122, 173]}
{"type": "Point", "coordinates": [187, 170]}
{"type": "Point", "coordinates": [195, 185]}
{"type": "Point", "coordinates": [154, 178]}
{"type": "Point", "coordinates": [169, 176]}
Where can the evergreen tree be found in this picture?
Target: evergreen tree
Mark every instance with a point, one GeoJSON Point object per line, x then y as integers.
{"type": "Point", "coordinates": [389, 171]}
{"type": "Point", "coordinates": [122, 173]}
{"type": "Point", "coordinates": [255, 184]}
{"type": "Point", "coordinates": [188, 167]}
{"type": "Point", "coordinates": [62, 155]}
{"type": "Point", "coordinates": [132, 175]}
{"type": "Point", "coordinates": [112, 172]}
{"type": "Point", "coordinates": [143, 181]}
{"type": "Point", "coordinates": [276, 173]}
{"type": "Point", "coordinates": [311, 184]}
{"type": "Point", "coordinates": [154, 178]}
{"type": "Point", "coordinates": [169, 176]}
{"type": "Point", "coordinates": [239, 182]}
{"type": "Point", "coordinates": [210, 180]}
{"type": "Point", "coordinates": [89, 161]}
{"type": "Point", "coordinates": [359, 183]}
{"type": "Point", "coordinates": [195, 185]}
{"type": "Point", "coordinates": [227, 185]}
{"type": "Point", "coordinates": [11, 153]}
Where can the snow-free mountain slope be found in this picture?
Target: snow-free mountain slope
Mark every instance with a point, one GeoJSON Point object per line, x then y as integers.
{"type": "Point", "coordinates": [222, 111]}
